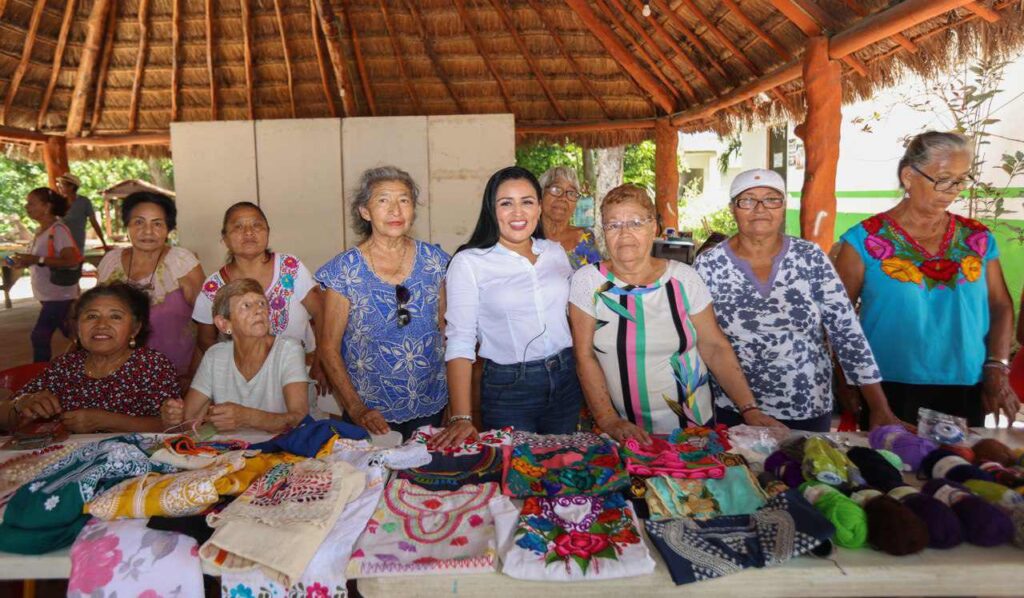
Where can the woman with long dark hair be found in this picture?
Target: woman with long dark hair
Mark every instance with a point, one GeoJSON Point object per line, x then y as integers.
{"type": "Point", "coordinates": [508, 288]}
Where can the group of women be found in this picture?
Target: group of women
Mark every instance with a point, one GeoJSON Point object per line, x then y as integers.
{"type": "Point", "coordinates": [751, 334]}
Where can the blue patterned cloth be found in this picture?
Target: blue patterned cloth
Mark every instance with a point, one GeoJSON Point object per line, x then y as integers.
{"type": "Point", "coordinates": [397, 371]}
{"type": "Point", "coordinates": [778, 328]}
{"type": "Point", "coordinates": [586, 251]}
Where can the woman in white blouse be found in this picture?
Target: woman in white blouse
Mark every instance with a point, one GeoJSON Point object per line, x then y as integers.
{"type": "Point", "coordinates": [508, 289]}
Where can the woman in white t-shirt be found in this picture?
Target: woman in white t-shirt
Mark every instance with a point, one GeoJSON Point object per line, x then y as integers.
{"type": "Point", "coordinates": [255, 380]}
{"type": "Point", "coordinates": [171, 276]}
{"type": "Point", "coordinates": [294, 298]}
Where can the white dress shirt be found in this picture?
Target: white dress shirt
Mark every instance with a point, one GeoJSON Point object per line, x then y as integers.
{"type": "Point", "coordinates": [515, 309]}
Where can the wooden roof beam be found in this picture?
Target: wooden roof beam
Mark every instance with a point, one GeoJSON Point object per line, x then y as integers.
{"type": "Point", "coordinates": [94, 27]}
{"type": "Point", "coordinates": [250, 74]}
{"type": "Point", "coordinates": [26, 55]}
{"type": "Point", "coordinates": [101, 78]}
{"type": "Point", "coordinates": [679, 50]}
{"type": "Point", "coordinates": [330, 30]}
{"type": "Point", "coordinates": [208, 17]}
{"type": "Point", "coordinates": [16, 134]}
{"type": "Point", "coordinates": [899, 38]}
{"type": "Point", "coordinates": [460, 6]}
{"type": "Point", "coordinates": [983, 11]}
{"type": "Point", "coordinates": [567, 55]}
{"type": "Point", "coordinates": [175, 55]}
{"type": "Point", "coordinates": [357, 51]}
{"type": "Point", "coordinates": [543, 128]}
{"type": "Point", "coordinates": [140, 63]}
{"type": "Point", "coordinates": [799, 16]}
{"type": "Point", "coordinates": [121, 140]}
{"type": "Point", "coordinates": [938, 31]}
{"type": "Point", "coordinates": [681, 25]}
{"type": "Point", "coordinates": [314, 24]}
{"type": "Point", "coordinates": [510, 25]}
{"type": "Point", "coordinates": [287, 55]}
{"type": "Point", "coordinates": [58, 61]}
{"type": "Point", "coordinates": [758, 31]}
{"type": "Point", "coordinates": [722, 37]}
{"type": "Point", "coordinates": [604, 34]}
{"type": "Point", "coordinates": [428, 47]}
{"type": "Point", "coordinates": [398, 58]}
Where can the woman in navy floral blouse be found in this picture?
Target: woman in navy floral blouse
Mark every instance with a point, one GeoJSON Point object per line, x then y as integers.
{"type": "Point", "coordinates": [777, 297]}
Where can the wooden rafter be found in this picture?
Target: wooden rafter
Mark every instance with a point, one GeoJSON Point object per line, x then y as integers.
{"type": "Point", "coordinates": [140, 64]}
{"type": "Point", "coordinates": [287, 55]}
{"type": "Point", "coordinates": [357, 51]}
{"type": "Point", "coordinates": [208, 17]}
{"type": "Point", "coordinates": [983, 11]}
{"type": "Point", "coordinates": [329, 27]}
{"type": "Point", "coordinates": [645, 56]}
{"type": "Point", "coordinates": [937, 31]}
{"type": "Point", "coordinates": [58, 61]}
{"type": "Point", "coordinates": [678, 49]}
{"type": "Point", "coordinates": [604, 34]}
{"type": "Point", "coordinates": [681, 25]}
{"type": "Point", "coordinates": [101, 78]}
{"type": "Point", "coordinates": [510, 25]}
{"type": "Point", "coordinates": [543, 128]}
{"type": "Point", "coordinates": [799, 15]}
{"type": "Point", "coordinates": [175, 57]}
{"type": "Point", "coordinates": [398, 58]}
{"type": "Point", "coordinates": [899, 38]}
{"type": "Point", "coordinates": [722, 37]}
{"type": "Point", "coordinates": [87, 66]}
{"type": "Point", "coordinates": [567, 55]}
{"type": "Point", "coordinates": [314, 24]}
{"type": "Point", "coordinates": [250, 100]}
{"type": "Point", "coordinates": [758, 31]}
{"type": "Point", "coordinates": [435, 62]}
{"type": "Point", "coordinates": [460, 6]}
{"type": "Point", "coordinates": [3, 5]}
{"type": "Point", "coordinates": [26, 55]}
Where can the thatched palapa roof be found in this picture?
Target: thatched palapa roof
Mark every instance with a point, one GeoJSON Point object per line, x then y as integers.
{"type": "Point", "coordinates": [595, 71]}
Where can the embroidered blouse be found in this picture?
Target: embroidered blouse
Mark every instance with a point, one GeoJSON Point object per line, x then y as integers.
{"type": "Point", "coordinates": [397, 370]}
{"type": "Point", "coordinates": [925, 315]}
{"type": "Point", "coordinates": [585, 252]}
{"type": "Point", "coordinates": [776, 328]}
{"type": "Point", "coordinates": [531, 470]}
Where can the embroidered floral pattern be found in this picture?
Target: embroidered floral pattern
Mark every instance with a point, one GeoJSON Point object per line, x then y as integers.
{"type": "Point", "coordinates": [585, 252]}
{"type": "Point", "coordinates": [278, 295]}
{"type": "Point", "coordinates": [535, 471]}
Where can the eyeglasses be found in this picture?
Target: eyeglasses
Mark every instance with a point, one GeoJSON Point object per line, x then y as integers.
{"type": "Point", "coordinates": [402, 297]}
{"type": "Point", "coordinates": [570, 194]}
{"type": "Point", "coordinates": [942, 185]}
{"type": "Point", "coordinates": [616, 226]}
{"type": "Point", "coordinates": [749, 203]}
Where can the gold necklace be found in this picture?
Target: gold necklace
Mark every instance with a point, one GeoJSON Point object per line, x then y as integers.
{"type": "Point", "coordinates": [401, 261]}
{"type": "Point", "coordinates": [95, 373]}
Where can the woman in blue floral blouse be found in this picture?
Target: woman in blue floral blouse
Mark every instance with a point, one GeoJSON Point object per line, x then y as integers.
{"type": "Point", "coordinates": [561, 190]}
{"type": "Point", "coordinates": [383, 346]}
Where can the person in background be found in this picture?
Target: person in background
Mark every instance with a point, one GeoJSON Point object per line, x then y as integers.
{"type": "Point", "coordinates": [383, 342]}
{"type": "Point", "coordinates": [171, 276]}
{"type": "Point", "coordinates": [561, 190]}
{"type": "Point", "coordinates": [776, 298]}
{"type": "Point", "coordinates": [53, 259]}
{"type": "Point", "coordinates": [254, 380]}
{"type": "Point", "coordinates": [933, 301]}
{"type": "Point", "coordinates": [509, 287]}
{"type": "Point", "coordinates": [80, 209]}
{"type": "Point", "coordinates": [112, 382]}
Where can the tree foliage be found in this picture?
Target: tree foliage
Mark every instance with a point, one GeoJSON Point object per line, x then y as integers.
{"type": "Point", "coordinates": [638, 162]}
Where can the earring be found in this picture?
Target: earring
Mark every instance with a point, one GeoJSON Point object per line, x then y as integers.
{"type": "Point", "coordinates": [227, 332]}
{"type": "Point", "coordinates": [131, 343]}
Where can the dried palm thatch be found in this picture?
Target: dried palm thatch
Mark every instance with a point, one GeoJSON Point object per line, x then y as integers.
{"type": "Point", "coordinates": [72, 68]}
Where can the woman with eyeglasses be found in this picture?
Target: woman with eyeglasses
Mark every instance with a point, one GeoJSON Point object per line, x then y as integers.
{"type": "Point", "coordinates": [776, 298]}
{"type": "Point", "coordinates": [561, 191]}
{"type": "Point", "coordinates": [508, 288]}
{"type": "Point", "coordinates": [383, 342]}
{"type": "Point", "coordinates": [645, 334]}
{"type": "Point", "coordinates": [933, 301]}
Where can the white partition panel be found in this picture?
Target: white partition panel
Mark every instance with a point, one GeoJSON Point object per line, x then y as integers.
{"type": "Point", "coordinates": [464, 152]}
{"type": "Point", "coordinates": [300, 186]}
{"type": "Point", "coordinates": [381, 141]}
{"type": "Point", "coordinates": [214, 167]}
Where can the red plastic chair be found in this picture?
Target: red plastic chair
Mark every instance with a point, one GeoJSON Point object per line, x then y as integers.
{"type": "Point", "coordinates": [15, 378]}
{"type": "Point", "coordinates": [1017, 375]}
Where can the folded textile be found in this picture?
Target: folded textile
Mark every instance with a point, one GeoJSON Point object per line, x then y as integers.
{"type": "Point", "coordinates": [448, 472]}
{"type": "Point", "coordinates": [415, 531]}
{"type": "Point", "coordinates": [660, 457]}
{"type": "Point", "coordinates": [487, 438]}
{"type": "Point", "coordinates": [186, 453]}
{"type": "Point", "coordinates": [671, 498]}
{"type": "Point", "coordinates": [309, 437]}
{"type": "Point", "coordinates": [737, 492]}
{"type": "Point", "coordinates": [544, 470]}
{"type": "Point", "coordinates": [25, 467]}
{"type": "Point", "coordinates": [125, 558]}
{"type": "Point", "coordinates": [193, 526]}
{"type": "Point", "coordinates": [572, 538]}
{"type": "Point", "coordinates": [785, 527]}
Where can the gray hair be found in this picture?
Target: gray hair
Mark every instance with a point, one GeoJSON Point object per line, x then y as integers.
{"type": "Point", "coordinates": [235, 288]}
{"type": "Point", "coordinates": [922, 149]}
{"type": "Point", "coordinates": [367, 181]}
{"type": "Point", "coordinates": [559, 172]}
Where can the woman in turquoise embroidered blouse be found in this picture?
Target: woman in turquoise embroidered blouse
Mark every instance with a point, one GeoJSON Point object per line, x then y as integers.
{"type": "Point", "coordinates": [934, 304]}
{"type": "Point", "coordinates": [561, 190]}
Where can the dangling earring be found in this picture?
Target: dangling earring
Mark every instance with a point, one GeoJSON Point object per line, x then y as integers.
{"type": "Point", "coordinates": [227, 332]}
{"type": "Point", "coordinates": [131, 343]}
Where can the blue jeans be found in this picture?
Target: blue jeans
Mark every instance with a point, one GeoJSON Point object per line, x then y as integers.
{"type": "Point", "coordinates": [822, 423]}
{"type": "Point", "coordinates": [52, 316]}
{"type": "Point", "coordinates": [542, 396]}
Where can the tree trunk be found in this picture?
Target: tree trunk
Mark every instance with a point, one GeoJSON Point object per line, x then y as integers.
{"type": "Point", "coordinates": [609, 164]}
{"type": "Point", "coordinates": [156, 172]}
{"type": "Point", "coordinates": [590, 169]}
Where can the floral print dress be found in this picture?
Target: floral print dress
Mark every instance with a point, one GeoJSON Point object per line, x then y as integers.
{"type": "Point", "coordinates": [586, 250]}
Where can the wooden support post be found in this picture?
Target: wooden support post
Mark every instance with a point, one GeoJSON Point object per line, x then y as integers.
{"type": "Point", "coordinates": [87, 66]}
{"type": "Point", "coordinates": [58, 60]}
{"type": "Point", "coordinates": [55, 156]}
{"type": "Point", "coordinates": [330, 30]}
{"type": "Point", "coordinates": [820, 133]}
{"type": "Point", "coordinates": [26, 55]}
{"type": "Point", "coordinates": [666, 172]}
{"type": "Point", "coordinates": [140, 63]}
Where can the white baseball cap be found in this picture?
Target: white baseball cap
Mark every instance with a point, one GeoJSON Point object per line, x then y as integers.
{"type": "Point", "coordinates": [70, 178]}
{"type": "Point", "coordinates": [757, 177]}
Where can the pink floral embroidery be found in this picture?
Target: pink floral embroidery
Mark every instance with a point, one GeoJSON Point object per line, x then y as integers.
{"type": "Point", "coordinates": [879, 248]}
{"type": "Point", "coordinates": [475, 520]}
{"type": "Point", "coordinates": [150, 594]}
{"type": "Point", "coordinates": [96, 559]}
{"type": "Point", "coordinates": [978, 242]}
{"type": "Point", "coordinates": [317, 591]}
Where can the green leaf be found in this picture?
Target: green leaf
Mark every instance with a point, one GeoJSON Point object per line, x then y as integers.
{"type": "Point", "coordinates": [582, 562]}
{"type": "Point", "coordinates": [607, 553]}
{"type": "Point", "coordinates": [551, 558]}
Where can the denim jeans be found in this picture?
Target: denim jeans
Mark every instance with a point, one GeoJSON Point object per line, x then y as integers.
{"type": "Point", "coordinates": [822, 423]}
{"type": "Point", "coordinates": [542, 396]}
{"type": "Point", "coordinates": [52, 316]}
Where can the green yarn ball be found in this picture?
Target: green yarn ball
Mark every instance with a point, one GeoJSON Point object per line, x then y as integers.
{"type": "Point", "coordinates": [849, 518]}
{"type": "Point", "coordinates": [892, 458]}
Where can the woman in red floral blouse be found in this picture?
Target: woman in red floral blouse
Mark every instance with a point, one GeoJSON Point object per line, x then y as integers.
{"type": "Point", "coordinates": [113, 382]}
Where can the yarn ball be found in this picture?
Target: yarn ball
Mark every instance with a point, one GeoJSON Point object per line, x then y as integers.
{"type": "Point", "coordinates": [954, 467]}
{"type": "Point", "coordinates": [994, 493]}
{"type": "Point", "coordinates": [959, 449]}
{"type": "Point", "coordinates": [944, 528]}
{"type": "Point", "coordinates": [824, 462]}
{"type": "Point", "coordinates": [983, 524]}
{"type": "Point", "coordinates": [1017, 516]}
{"type": "Point", "coordinates": [893, 528]}
{"type": "Point", "coordinates": [849, 518]}
{"type": "Point", "coordinates": [1007, 476]}
{"type": "Point", "coordinates": [785, 468]}
{"type": "Point", "coordinates": [876, 470]}
{"type": "Point", "coordinates": [990, 449]}
{"type": "Point", "coordinates": [911, 448]}
{"type": "Point", "coordinates": [892, 458]}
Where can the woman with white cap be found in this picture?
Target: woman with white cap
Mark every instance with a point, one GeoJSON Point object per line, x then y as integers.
{"type": "Point", "coordinates": [777, 297]}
